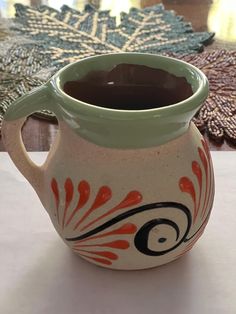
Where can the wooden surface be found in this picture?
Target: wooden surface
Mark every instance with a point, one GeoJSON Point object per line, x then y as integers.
{"type": "Point", "coordinates": [204, 15]}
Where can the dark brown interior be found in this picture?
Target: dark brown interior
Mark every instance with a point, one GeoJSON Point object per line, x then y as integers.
{"type": "Point", "coordinates": [130, 87]}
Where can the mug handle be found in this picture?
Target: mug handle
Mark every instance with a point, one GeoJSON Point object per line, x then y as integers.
{"type": "Point", "coordinates": [16, 115]}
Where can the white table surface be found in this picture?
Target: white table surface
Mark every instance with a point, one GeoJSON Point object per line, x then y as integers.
{"type": "Point", "coordinates": [39, 274]}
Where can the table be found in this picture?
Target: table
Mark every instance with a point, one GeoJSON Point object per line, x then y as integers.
{"type": "Point", "coordinates": [39, 274]}
{"type": "Point", "coordinates": [203, 14]}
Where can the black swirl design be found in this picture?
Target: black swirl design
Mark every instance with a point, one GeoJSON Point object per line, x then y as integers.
{"type": "Point", "coordinates": [141, 237]}
{"type": "Point", "coordinates": [196, 232]}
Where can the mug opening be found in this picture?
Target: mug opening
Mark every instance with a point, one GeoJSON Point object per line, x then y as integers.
{"type": "Point", "coordinates": [179, 69]}
{"type": "Point", "coordinates": [129, 86]}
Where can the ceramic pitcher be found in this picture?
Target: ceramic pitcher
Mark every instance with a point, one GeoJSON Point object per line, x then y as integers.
{"type": "Point", "coordinates": [124, 189]}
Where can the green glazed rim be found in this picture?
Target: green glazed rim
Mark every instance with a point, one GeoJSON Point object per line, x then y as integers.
{"type": "Point", "coordinates": [111, 127]}
{"type": "Point", "coordinates": [194, 76]}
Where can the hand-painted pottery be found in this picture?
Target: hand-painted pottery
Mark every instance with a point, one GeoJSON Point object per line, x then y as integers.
{"type": "Point", "coordinates": [125, 188]}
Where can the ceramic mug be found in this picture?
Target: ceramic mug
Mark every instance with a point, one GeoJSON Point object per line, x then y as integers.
{"type": "Point", "coordinates": [125, 189]}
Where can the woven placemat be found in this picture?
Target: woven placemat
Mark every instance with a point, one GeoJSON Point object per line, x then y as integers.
{"type": "Point", "coordinates": [217, 116]}
{"type": "Point", "coordinates": [56, 38]}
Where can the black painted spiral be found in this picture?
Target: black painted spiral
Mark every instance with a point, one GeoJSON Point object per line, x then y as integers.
{"type": "Point", "coordinates": [141, 237]}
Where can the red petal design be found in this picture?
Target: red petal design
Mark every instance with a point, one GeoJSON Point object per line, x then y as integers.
{"type": "Point", "coordinates": [55, 191]}
{"type": "Point", "coordinates": [132, 198]}
{"type": "Point", "coordinates": [198, 172]}
{"type": "Point", "coordinates": [69, 189]}
{"type": "Point", "coordinates": [104, 195]}
{"type": "Point", "coordinates": [84, 192]}
{"type": "Point", "coordinates": [106, 254]}
{"type": "Point", "coordinates": [127, 228]}
{"type": "Point", "coordinates": [117, 244]}
{"type": "Point", "coordinates": [99, 260]}
{"type": "Point", "coordinates": [187, 186]}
